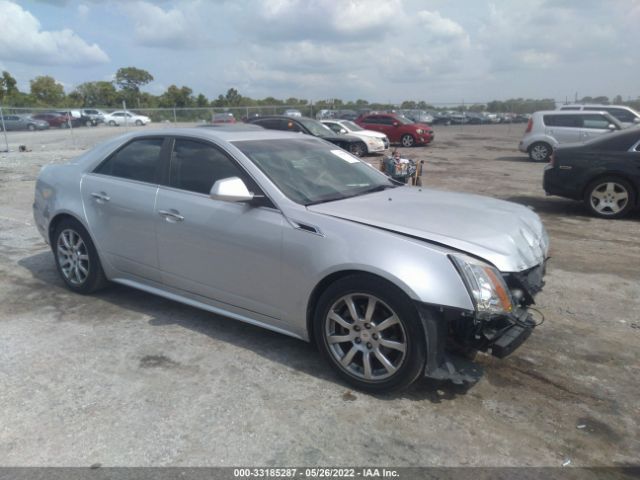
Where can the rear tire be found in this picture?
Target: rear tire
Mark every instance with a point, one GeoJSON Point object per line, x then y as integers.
{"type": "Point", "coordinates": [76, 258]}
{"type": "Point", "coordinates": [31, 127]}
{"type": "Point", "coordinates": [383, 347]}
{"type": "Point", "coordinates": [610, 197]}
{"type": "Point", "coordinates": [112, 123]}
{"type": "Point", "coordinates": [540, 152]}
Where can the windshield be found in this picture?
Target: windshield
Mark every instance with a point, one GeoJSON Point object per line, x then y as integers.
{"type": "Point", "coordinates": [309, 171]}
{"type": "Point", "coordinates": [352, 127]}
{"type": "Point", "coordinates": [316, 128]}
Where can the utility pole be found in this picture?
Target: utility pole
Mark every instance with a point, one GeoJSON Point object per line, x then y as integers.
{"type": "Point", "coordinates": [4, 130]}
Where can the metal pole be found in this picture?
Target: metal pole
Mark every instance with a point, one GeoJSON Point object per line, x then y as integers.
{"type": "Point", "coordinates": [73, 139]}
{"type": "Point", "coordinates": [175, 119]}
{"type": "Point", "coordinates": [126, 119]}
{"type": "Point", "coordinates": [4, 130]}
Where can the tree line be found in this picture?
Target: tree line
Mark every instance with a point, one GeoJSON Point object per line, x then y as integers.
{"type": "Point", "coordinates": [45, 91]}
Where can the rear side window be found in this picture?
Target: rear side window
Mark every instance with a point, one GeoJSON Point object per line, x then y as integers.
{"type": "Point", "coordinates": [562, 121]}
{"type": "Point", "coordinates": [595, 121]}
{"type": "Point", "coordinates": [272, 123]}
{"type": "Point", "coordinates": [138, 160]}
{"type": "Point", "coordinates": [196, 166]}
{"type": "Point", "coordinates": [621, 114]}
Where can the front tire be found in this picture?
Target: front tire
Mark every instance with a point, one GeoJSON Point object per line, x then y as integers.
{"type": "Point", "coordinates": [112, 123]}
{"type": "Point", "coordinates": [370, 333]}
{"type": "Point", "coordinates": [540, 152]}
{"type": "Point", "coordinates": [407, 141]}
{"type": "Point", "coordinates": [31, 127]}
{"type": "Point", "coordinates": [139, 123]}
{"type": "Point", "coordinates": [609, 197]}
{"type": "Point", "coordinates": [76, 258]}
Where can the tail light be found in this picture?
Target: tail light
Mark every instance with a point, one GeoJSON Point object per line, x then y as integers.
{"type": "Point", "coordinates": [529, 126]}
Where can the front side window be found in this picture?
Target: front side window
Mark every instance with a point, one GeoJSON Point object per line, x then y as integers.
{"type": "Point", "coordinates": [595, 121]}
{"type": "Point", "coordinates": [334, 126]}
{"type": "Point", "coordinates": [138, 160]}
{"type": "Point", "coordinates": [196, 166]}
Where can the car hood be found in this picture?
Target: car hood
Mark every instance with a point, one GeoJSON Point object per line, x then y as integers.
{"type": "Point", "coordinates": [369, 133]}
{"type": "Point", "coordinates": [506, 234]}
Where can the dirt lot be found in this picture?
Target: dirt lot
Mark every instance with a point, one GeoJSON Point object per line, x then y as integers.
{"type": "Point", "coordinates": [126, 378]}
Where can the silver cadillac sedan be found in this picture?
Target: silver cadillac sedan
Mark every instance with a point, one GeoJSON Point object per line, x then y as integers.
{"type": "Point", "coordinates": [293, 234]}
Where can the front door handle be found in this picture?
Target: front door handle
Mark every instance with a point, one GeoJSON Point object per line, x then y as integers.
{"type": "Point", "coordinates": [170, 215]}
{"type": "Point", "coordinates": [101, 197]}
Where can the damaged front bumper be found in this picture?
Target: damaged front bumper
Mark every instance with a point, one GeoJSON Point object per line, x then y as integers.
{"type": "Point", "coordinates": [452, 334]}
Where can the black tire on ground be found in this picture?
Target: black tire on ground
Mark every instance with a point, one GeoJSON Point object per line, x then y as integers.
{"type": "Point", "coordinates": [407, 140]}
{"type": "Point", "coordinates": [610, 197]}
{"type": "Point", "coordinates": [31, 127]}
{"type": "Point", "coordinates": [367, 341]}
{"type": "Point", "coordinates": [85, 255]}
{"type": "Point", "coordinates": [112, 123]}
{"type": "Point", "coordinates": [88, 123]}
{"type": "Point", "coordinates": [138, 122]}
{"type": "Point", "coordinates": [540, 152]}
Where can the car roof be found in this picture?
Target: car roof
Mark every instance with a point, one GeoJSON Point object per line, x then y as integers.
{"type": "Point", "coordinates": [574, 105]}
{"type": "Point", "coordinates": [224, 134]}
{"type": "Point", "coordinates": [568, 112]}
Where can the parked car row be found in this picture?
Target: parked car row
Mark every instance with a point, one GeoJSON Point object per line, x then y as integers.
{"type": "Point", "coordinates": [72, 119]}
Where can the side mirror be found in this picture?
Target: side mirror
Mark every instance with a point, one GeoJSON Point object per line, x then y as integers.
{"type": "Point", "coordinates": [395, 124]}
{"type": "Point", "coordinates": [230, 189]}
{"type": "Point", "coordinates": [343, 131]}
{"type": "Point", "coordinates": [611, 126]}
{"type": "Point", "coordinates": [636, 120]}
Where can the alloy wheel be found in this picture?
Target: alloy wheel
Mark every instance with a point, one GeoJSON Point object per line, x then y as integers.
{"type": "Point", "coordinates": [609, 198]}
{"type": "Point", "coordinates": [539, 152]}
{"type": "Point", "coordinates": [365, 337]}
{"type": "Point", "coordinates": [73, 257]}
{"type": "Point", "coordinates": [407, 141]}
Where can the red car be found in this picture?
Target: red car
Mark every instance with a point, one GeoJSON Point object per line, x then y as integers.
{"type": "Point", "coordinates": [61, 120]}
{"type": "Point", "coordinates": [398, 128]}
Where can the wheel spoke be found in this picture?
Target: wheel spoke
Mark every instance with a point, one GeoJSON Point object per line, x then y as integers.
{"type": "Point", "coordinates": [84, 257]}
{"type": "Point", "coordinates": [366, 363]}
{"type": "Point", "coordinates": [371, 306]}
{"type": "Point", "coordinates": [62, 250]}
{"type": "Point", "coordinates": [353, 311]}
{"type": "Point", "coordinates": [619, 196]}
{"type": "Point", "coordinates": [339, 320]}
{"type": "Point", "coordinates": [339, 338]}
{"type": "Point", "coordinates": [65, 240]}
{"type": "Point", "coordinates": [394, 345]}
{"type": "Point", "coordinates": [598, 194]}
{"type": "Point", "coordinates": [83, 269]}
{"type": "Point", "coordinates": [384, 361]}
{"type": "Point", "coordinates": [392, 320]}
{"type": "Point", "coordinates": [346, 360]}
{"type": "Point", "coordinates": [610, 188]}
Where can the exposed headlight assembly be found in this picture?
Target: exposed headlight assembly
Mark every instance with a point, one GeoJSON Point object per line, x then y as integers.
{"type": "Point", "coordinates": [485, 284]}
{"type": "Point", "coordinates": [419, 131]}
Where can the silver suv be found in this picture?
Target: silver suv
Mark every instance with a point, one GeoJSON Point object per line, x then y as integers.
{"type": "Point", "coordinates": [548, 129]}
{"type": "Point", "coordinates": [627, 116]}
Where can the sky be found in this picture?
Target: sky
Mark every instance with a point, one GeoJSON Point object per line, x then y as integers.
{"type": "Point", "coordinates": [438, 51]}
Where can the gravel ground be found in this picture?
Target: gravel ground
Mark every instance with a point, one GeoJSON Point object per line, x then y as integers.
{"type": "Point", "coordinates": [124, 378]}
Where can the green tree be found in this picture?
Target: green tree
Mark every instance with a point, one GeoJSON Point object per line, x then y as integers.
{"type": "Point", "coordinates": [177, 97]}
{"type": "Point", "coordinates": [202, 101]}
{"type": "Point", "coordinates": [8, 86]}
{"type": "Point", "coordinates": [46, 91]}
{"type": "Point", "coordinates": [130, 79]}
{"type": "Point", "coordinates": [232, 98]}
{"type": "Point", "coordinates": [96, 94]}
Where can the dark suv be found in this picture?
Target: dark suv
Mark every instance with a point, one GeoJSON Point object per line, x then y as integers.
{"type": "Point", "coordinates": [398, 128]}
{"type": "Point", "coordinates": [311, 127]}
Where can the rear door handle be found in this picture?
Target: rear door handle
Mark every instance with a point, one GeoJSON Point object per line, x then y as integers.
{"type": "Point", "coordinates": [171, 215]}
{"type": "Point", "coordinates": [101, 197]}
